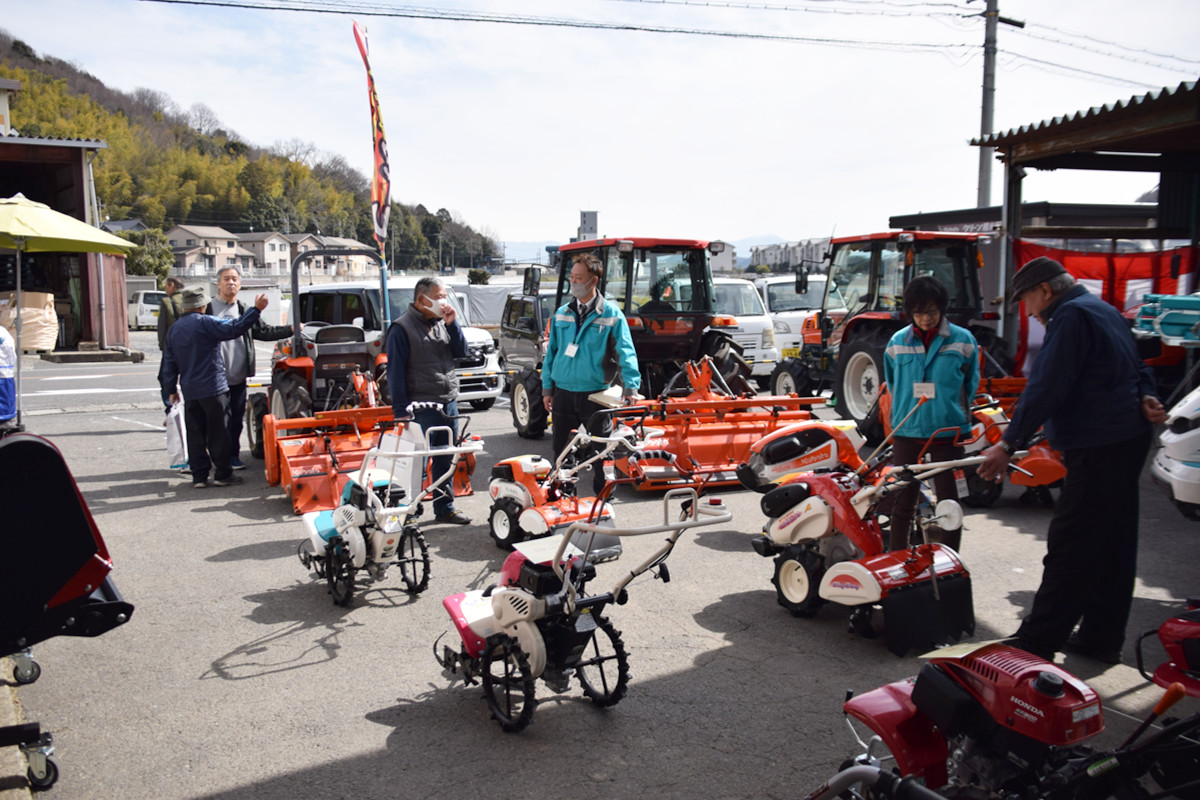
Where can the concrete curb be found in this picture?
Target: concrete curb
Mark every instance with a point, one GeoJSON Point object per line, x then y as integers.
{"type": "Point", "coordinates": [12, 764]}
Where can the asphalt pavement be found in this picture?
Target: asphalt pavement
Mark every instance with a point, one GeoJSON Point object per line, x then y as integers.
{"type": "Point", "coordinates": [238, 678]}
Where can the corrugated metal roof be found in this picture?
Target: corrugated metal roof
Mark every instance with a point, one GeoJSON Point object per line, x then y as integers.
{"type": "Point", "coordinates": [1121, 113]}
{"type": "Point", "coordinates": [14, 137]}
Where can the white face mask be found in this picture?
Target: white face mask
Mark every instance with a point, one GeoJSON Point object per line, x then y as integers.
{"type": "Point", "coordinates": [435, 306]}
{"type": "Point", "coordinates": [581, 290]}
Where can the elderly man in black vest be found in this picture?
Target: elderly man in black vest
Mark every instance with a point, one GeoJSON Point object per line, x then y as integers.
{"type": "Point", "coordinates": [422, 346]}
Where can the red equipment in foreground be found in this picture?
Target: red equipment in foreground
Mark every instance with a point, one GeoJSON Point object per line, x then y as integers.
{"type": "Point", "coordinates": [54, 579]}
{"type": "Point", "coordinates": [991, 721]}
{"type": "Point", "coordinates": [705, 424]}
{"type": "Point", "coordinates": [1180, 637]}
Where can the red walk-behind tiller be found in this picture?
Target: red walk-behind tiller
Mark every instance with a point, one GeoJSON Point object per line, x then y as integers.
{"type": "Point", "coordinates": [704, 423]}
{"type": "Point", "coordinates": [824, 503]}
{"type": "Point", "coordinates": [54, 579]}
{"type": "Point", "coordinates": [1038, 471]}
{"type": "Point", "coordinates": [532, 498]}
{"type": "Point", "coordinates": [539, 621]}
{"type": "Point", "coordinates": [1180, 637]}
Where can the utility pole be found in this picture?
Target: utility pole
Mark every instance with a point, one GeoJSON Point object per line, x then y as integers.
{"type": "Point", "coordinates": [991, 16]}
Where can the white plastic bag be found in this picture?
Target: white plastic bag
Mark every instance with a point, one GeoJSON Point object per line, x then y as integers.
{"type": "Point", "coordinates": [177, 455]}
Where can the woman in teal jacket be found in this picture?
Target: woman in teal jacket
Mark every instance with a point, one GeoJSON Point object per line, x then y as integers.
{"type": "Point", "coordinates": [935, 359]}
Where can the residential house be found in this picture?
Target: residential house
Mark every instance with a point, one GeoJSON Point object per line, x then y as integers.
{"type": "Point", "coordinates": [272, 253]}
{"type": "Point", "coordinates": [119, 225]}
{"type": "Point", "coordinates": [203, 250]}
{"type": "Point", "coordinates": [302, 243]}
{"type": "Point", "coordinates": [349, 268]}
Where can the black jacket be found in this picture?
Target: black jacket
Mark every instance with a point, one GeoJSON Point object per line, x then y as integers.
{"type": "Point", "coordinates": [260, 331]}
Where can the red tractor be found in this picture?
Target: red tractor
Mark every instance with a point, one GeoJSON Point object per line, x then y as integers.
{"type": "Point", "coordinates": [665, 288]}
{"type": "Point", "coordinates": [863, 306]}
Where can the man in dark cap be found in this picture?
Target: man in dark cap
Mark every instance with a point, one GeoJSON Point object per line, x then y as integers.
{"type": "Point", "coordinates": [1098, 402]}
{"type": "Point", "coordinates": [193, 357]}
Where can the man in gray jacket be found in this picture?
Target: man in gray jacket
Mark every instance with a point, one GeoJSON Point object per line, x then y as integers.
{"type": "Point", "coordinates": [238, 354]}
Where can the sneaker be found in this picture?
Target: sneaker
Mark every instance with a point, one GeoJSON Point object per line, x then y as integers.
{"type": "Point", "coordinates": [236, 463]}
{"type": "Point", "coordinates": [230, 480]}
{"type": "Point", "coordinates": [1076, 646]}
{"type": "Point", "coordinates": [200, 484]}
{"type": "Point", "coordinates": [455, 517]}
{"type": "Point", "coordinates": [185, 471]}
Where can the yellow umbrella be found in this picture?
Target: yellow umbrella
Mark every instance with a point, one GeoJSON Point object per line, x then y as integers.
{"type": "Point", "coordinates": [30, 227]}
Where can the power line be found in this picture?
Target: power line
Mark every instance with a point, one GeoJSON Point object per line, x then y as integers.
{"type": "Point", "coordinates": [410, 12]}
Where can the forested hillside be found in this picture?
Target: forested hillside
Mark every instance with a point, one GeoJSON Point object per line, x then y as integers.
{"type": "Point", "coordinates": [167, 166]}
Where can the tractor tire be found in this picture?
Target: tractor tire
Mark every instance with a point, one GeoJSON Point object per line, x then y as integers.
{"type": "Point", "coordinates": [256, 409]}
{"type": "Point", "coordinates": [727, 356]}
{"type": "Point", "coordinates": [289, 398]}
{"type": "Point", "coordinates": [528, 413]}
{"type": "Point", "coordinates": [789, 377]}
{"type": "Point", "coordinates": [858, 381]}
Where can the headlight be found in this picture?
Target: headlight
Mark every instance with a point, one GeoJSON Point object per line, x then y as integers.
{"type": "Point", "coordinates": [768, 339]}
{"type": "Point", "coordinates": [782, 327]}
{"type": "Point", "coordinates": [490, 347]}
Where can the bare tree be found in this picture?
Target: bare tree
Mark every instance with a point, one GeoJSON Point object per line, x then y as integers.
{"type": "Point", "coordinates": [296, 150]}
{"type": "Point", "coordinates": [203, 119]}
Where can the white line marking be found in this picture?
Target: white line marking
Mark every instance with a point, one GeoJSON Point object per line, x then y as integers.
{"type": "Point", "coordinates": [139, 422]}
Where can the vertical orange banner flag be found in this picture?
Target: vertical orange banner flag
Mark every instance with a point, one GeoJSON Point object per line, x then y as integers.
{"type": "Point", "coordinates": [381, 182]}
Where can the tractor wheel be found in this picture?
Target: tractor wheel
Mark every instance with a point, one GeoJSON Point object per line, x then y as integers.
{"type": "Point", "coordinates": [798, 572]}
{"type": "Point", "coordinates": [508, 683]}
{"type": "Point", "coordinates": [290, 398]}
{"type": "Point", "coordinates": [859, 377]}
{"type": "Point", "coordinates": [502, 524]}
{"type": "Point", "coordinates": [790, 377]}
{"type": "Point", "coordinates": [727, 356]}
{"type": "Point", "coordinates": [256, 409]}
{"type": "Point", "coordinates": [528, 413]}
{"type": "Point", "coordinates": [603, 668]}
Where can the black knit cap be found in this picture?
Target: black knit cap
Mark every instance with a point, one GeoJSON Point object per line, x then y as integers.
{"type": "Point", "coordinates": [1039, 270]}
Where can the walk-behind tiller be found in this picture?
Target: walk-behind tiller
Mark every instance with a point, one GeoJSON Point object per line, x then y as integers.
{"type": "Point", "coordinates": [1038, 471]}
{"type": "Point", "coordinates": [375, 528]}
{"type": "Point", "coordinates": [824, 534]}
{"type": "Point", "coordinates": [532, 497]}
{"type": "Point", "coordinates": [1180, 638]}
{"type": "Point", "coordinates": [703, 422]}
{"type": "Point", "coordinates": [538, 621]}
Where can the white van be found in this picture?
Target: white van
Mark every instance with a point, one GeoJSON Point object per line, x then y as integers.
{"type": "Point", "coordinates": [143, 309]}
{"type": "Point", "coordinates": [737, 297]}
{"type": "Point", "coordinates": [788, 308]}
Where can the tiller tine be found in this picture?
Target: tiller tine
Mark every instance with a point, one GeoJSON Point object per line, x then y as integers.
{"type": "Point", "coordinates": [914, 616]}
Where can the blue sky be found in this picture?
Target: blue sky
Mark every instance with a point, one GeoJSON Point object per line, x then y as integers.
{"type": "Point", "coordinates": [517, 128]}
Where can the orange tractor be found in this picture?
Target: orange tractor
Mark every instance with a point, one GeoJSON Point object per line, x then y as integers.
{"type": "Point", "coordinates": [325, 407]}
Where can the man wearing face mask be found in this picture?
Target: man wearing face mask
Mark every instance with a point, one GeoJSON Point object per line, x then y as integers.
{"type": "Point", "coordinates": [422, 346]}
{"type": "Point", "coordinates": [585, 334]}
{"type": "Point", "coordinates": [1099, 402]}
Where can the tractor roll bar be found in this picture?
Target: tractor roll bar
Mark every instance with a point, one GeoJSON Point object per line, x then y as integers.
{"type": "Point", "coordinates": [297, 337]}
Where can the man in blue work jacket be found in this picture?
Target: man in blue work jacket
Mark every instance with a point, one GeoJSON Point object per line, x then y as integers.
{"type": "Point", "coordinates": [193, 358]}
{"type": "Point", "coordinates": [585, 334]}
{"type": "Point", "coordinates": [1099, 403]}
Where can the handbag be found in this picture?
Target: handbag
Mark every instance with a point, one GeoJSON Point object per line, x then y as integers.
{"type": "Point", "coordinates": [177, 455]}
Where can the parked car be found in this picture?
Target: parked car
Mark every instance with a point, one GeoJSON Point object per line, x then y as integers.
{"type": "Point", "coordinates": [737, 297]}
{"type": "Point", "coordinates": [789, 309]}
{"type": "Point", "coordinates": [523, 331]}
{"type": "Point", "coordinates": [143, 309]}
{"type": "Point", "coordinates": [480, 380]}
